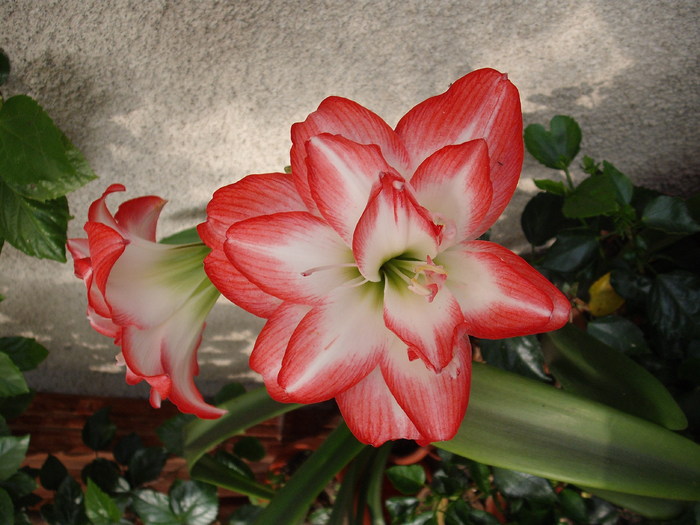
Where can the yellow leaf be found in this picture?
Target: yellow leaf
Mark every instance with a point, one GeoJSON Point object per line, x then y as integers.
{"type": "Point", "coordinates": [604, 299]}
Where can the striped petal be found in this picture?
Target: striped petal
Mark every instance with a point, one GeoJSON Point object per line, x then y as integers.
{"type": "Point", "coordinates": [500, 294]}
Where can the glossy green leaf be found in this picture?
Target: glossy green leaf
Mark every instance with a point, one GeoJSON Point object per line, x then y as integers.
{"type": "Point", "coordinates": [522, 485]}
{"type": "Point", "coordinates": [146, 465]}
{"type": "Point", "coordinates": [597, 195]}
{"type": "Point", "coordinates": [586, 366]}
{"type": "Point", "coordinates": [557, 147]}
{"type": "Point", "coordinates": [12, 381]}
{"type": "Point", "coordinates": [521, 355]}
{"type": "Point", "coordinates": [570, 252]}
{"type": "Point", "coordinates": [4, 68]}
{"type": "Point", "coordinates": [234, 463]}
{"type": "Point", "coordinates": [292, 501]}
{"type": "Point", "coordinates": [524, 425]}
{"type": "Point", "coordinates": [188, 236]}
{"type": "Point", "coordinates": [36, 160]}
{"type": "Point", "coordinates": [407, 479]}
{"type": "Point", "coordinates": [245, 515]}
{"type": "Point", "coordinates": [104, 472]}
{"type": "Point", "coordinates": [623, 185]}
{"type": "Point", "coordinates": [669, 214]}
{"type": "Point", "coordinates": [172, 433]}
{"type": "Point", "coordinates": [573, 505]}
{"type": "Point", "coordinates": [630, 285]}
{"type": "Point", "coordinates": [25, 352]}
{"type": "Point", "coordinates": [461, 513]}
{"type": "Point", "coordinates": [153, 507]}
{"type": "Point", "coordinates": [99, 507]}
{"type": "Point", "coordinates": [551, 186]}
{"type": "Point", "coordinates": [12, 452]}
{"type": "Point", "coordinates": [69, 503]}
{"type": "Point", "coordinates": [673, 304]}
{"type": "Point", "coordinates": [98, 431]}
{"type": "Point", "coordinates": [245, 411]}
{"type": "Point", "coordinates": [35, 228]}
{"type": "Point", "coordinates": [210, 470]}
{"type": "Point", "coordinates": [619, 333]}
{"type": "Point", "coordinates": [542, 218]}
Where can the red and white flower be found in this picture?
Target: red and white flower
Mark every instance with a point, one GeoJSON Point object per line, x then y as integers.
{"type": "Point", "coordinates": [365, 263]}
{"type": "Point", "coordinates": [151, 298]}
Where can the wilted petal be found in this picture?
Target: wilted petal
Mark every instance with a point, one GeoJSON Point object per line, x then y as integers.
{"type": "Point", "coordinates": [500, 294]}
{"type": "Point", "coordinates": [271, 344]}
{"type": "Point", "coordinates": [392, 225]}
{"type": "Point", "coordinates": [373, 415]}
{"type": "Point", "coordinates": [294, 256]}
{"type": "Point", "coordinates": [454, 185]}
{"type": "Point", "coordinates": [341, 176]}
{"type": "Point", "coordinates": [340, 116]}
{"type": "Point", "coordinates": [435, 402]}
{"type": "Point", "coordinates": [483, 104]}
{"type": "Point", "coordinates": [335, 345]}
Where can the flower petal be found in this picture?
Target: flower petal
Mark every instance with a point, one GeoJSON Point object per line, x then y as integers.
{"type": "Point", "coordinates": [372, 414]}
{"type": "Point", "coordinates": [340, 116]}
{"type": "Point", "coordinates": [252, 196]}
{"type": "Point", "coordinates": [500, 294]}
{"type": "Point", "coordinates": [435, 402]}
{"type": "Point", "coordinates": [483, 104]}
{"type": "Point", "coordinates": [106, 246]}
{"type": "Point", "coordinates": [335, 345]}
{"type": "Point", "coordinates": [392, 225]}
{"type": "Point", "coordinates": [426, 327]}
{"type": "Point", "coordinates": [341, 175]}
{"type": "Point", "coordinates": [271, 344]}
{"type": "Point", "coordinates": [454, 183]}
{"type": "Point", "coordinates": [139, 217]}
{"type": "Point", "coordinates": [98, 211]}
{"type": "Point", "coordinates": [294, 256]}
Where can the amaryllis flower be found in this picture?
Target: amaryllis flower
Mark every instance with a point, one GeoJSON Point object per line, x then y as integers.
{"type": "Point", "coordinates": [151, 298]}
{"type": "Point", "coordinates": [365, 263]}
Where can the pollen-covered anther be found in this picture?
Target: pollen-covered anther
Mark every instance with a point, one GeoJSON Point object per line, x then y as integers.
{"type": "Point", "coordinates": [428, 279]}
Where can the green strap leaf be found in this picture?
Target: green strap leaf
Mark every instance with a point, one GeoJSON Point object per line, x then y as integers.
{"type": "Point", "coordinates": [209, 470]}
{"type": "Point", "coordinates": [292, 501]}
{"type": "Point", "coordinates": [586, 366]}
{"type": "Point", "coordinates": [36, 160]}
{"type": "Point", "coordinates": [245, 411]}
{"type": "Point", "coordinates": [655, 508]}
{"type": "Point", "coordinates": [525, 425]}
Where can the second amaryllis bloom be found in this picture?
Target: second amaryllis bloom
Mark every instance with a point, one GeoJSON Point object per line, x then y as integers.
{"type": "Point", "coordinates": [365, 263]}
{"type": "Point", "coordinates": [151, 298]}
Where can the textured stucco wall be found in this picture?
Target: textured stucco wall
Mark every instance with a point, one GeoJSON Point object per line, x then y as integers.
{"type": "Point", "coordinates": [179, 98]}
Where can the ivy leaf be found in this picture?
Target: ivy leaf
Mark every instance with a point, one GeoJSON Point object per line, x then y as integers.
{"type": "Point", "coordinates": [25, 352]}
{"type": "Point", "coordinates": [669, 214]}
{"type": "Point", "coordinates": [99, 507]}
{"type": "Point", "coordinates": [35, 228]}
{"type": "Point", "coordinates": [673, 304]}
{"type": "Point", "coordinates": [521, 355]}
{"type": "Point", "coordinates": [171, 433]}
{"type": "Point", "coordinates": [99, 431]}
{"type": "Point", "coordinates": [542, 218]}
{"type": "Point", "coordinates": [12, 381]}
{"type": "Point", "coordinates": [36, 160]}
{"type": "Point", "coordinates": [52, 473]}
{"type": "Point", "coordinates": [520, 485]}
{"type": "Point", "coordinates": [555, 148]}
{"type": "Point", "coordinates": [126, 447]}
{"type": "Point", "coordinates": [103, 472]}
{"type": "Point", "coordinates": [193, 502]}
{"type": "Point", "coordinates": [146, 465]}
{"type": "Point", "coordinates": [594, 196]}
{"type": "Point", "coordinates": [12, 452]}
{"type": "Point", "coordinates": [407, 479]}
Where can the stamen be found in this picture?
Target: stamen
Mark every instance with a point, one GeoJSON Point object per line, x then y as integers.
{"type": "Point", "coordinates": [354, 283]}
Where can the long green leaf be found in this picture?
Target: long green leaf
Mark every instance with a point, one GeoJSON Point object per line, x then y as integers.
{"type": "Point", "coordinates": [524, 425]}
{"type": "Point", "coordinates": [245, 411]}
{"type": "Point", "coordinates": [586, 366]}
{"type": "Point", "coordinates": [654, 508]}
{"type": "Point", "coordinates": [292, 502]}
{"type": "Point", "coordinates": [207, 469]}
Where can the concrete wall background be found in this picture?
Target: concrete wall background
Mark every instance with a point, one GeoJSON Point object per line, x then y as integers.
{"type": "Point", "coordinates": [177, 98]}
